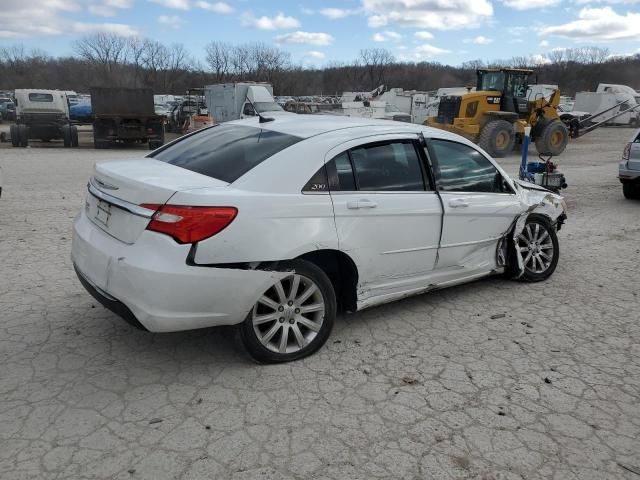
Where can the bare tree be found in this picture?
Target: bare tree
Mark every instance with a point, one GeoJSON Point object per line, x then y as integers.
{"type": "Point", "coordinates": [218, 56]}
{"type": "Point", "coordinates": [376, 62]}
{"type": "Point", "coordinates": [105, 50]}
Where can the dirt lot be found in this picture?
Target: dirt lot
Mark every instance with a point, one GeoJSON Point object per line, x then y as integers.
{"type": "Point", "coordinates": [491, 380]}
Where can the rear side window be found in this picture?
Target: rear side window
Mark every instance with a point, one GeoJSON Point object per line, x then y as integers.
{"type": "Point", "coordinates": [225, 152]}
{"type": "Point", "coordinates": [40, 97]}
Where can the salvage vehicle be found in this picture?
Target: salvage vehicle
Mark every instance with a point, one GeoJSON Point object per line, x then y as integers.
{"type": "Point", "coordinates": [42, 115]}
{"type": "Point", "coordinates": [629, 168]}
{"type": "Point", "coordinates": [275, 224]}
{"type": "Point", "coordinates": [7, 109]}
{"type": "Point", "coordinates": [125, 115]}
{"type": "Point", "coordinates": [496, 114]}
{"type": "Point", "coordinates": [233, 101]}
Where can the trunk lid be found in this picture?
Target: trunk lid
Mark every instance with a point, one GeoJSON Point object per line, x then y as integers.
{"type": "Point", "coordinates": [119, 188]}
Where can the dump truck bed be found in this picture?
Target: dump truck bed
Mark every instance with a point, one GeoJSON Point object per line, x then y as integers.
{"type": "Point", "coordinates": [122, 102]}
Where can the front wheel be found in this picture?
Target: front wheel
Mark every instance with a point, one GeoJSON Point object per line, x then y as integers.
{"type": "Point", "coordinates": [66, 135]}
{"type": "Point", "coordinates": [15, 136]}
{"type": "Point", "coordinates": [293, 317]}
{"type": "Point", "coordinates": [74, 136]}
{"type": "Point", "coordinates": [538, 247]}
{"type": "Point", "coordinates": [553, 139]}
{"type": "Point", "coordinates": [23, 136]}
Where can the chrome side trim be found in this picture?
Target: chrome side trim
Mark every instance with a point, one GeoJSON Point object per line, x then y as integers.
{"type": "Point", "coordinates": [475, 242]}
{"type": "Point", "coordinates": [121, 204]}
{"type": "Point", "coordinates": [406, 250]}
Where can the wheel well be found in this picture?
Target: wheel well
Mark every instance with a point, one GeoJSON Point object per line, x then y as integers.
{"type": "Point", "coordinates": [342, 272]}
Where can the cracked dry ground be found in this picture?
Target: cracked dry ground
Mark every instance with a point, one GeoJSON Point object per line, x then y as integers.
{"type": "Point", "coordinates": [491, 380]}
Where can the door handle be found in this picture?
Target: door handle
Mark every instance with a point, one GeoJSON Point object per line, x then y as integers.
{"type": "Point", "coordinates": [458, 203]}
{"type": "Point", "coordinates": [363, 203]}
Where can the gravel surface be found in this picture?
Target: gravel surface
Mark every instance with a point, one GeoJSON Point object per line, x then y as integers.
{"type": "Point", "coordinates": [490, 380]}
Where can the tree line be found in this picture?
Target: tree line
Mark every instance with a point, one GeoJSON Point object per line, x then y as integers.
{"type": "Point", "coordinates": [106, 59]}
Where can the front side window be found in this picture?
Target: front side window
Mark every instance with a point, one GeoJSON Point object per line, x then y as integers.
{"type": "Point", "coordinates": [41, 97]}
{"type": "Point", "coordinates": [225, 152]}
{"type": "Point", "coordinates": [460, 168]}
{"type": "Point", "coordinates": [387, 167]}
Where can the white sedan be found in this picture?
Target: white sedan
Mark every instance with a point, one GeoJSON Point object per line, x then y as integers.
{"type": "Point", "coordinates": [276, 224]}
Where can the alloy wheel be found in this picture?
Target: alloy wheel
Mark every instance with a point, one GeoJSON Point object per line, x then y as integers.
{"type": "Point", "coordinates": [289, 315]}
{"type": "Point", "coordinates": [535, 246]}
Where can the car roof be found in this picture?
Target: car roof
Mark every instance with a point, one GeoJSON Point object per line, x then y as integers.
{"type": "Point", "coordinates": [306, 126]}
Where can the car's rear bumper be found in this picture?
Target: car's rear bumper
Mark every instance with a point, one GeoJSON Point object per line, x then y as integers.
{"type": "Point", "coordinates": [625, 175]}
{"type": "Point", "coordinates": [149, 283]}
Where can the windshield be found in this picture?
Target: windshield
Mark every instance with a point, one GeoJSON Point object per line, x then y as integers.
{"type": "Point", "coordinates": [491, 81]}
{"type": "Point", "coordinates": [262, 107]}
{"type": "Point", "coordinates": [391, 108]}
{"type": "Point", "coordinates": [225, 152]}
{"type": "Point", "coordinates": [40, 97]}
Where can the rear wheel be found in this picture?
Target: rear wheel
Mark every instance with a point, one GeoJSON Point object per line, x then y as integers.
{"type": "Point", "coordinates": [553, 139]}
{"type": "Point", "coordinates": [631, 191]}
{"type": "Point", "coordinates": [497, 138]}
{"type": "Point", "coordinates": [293, 318]}
{"type": "Point", "coordinates": [538, 247]}
{"type": "Point", "coordinates": [15, 138]}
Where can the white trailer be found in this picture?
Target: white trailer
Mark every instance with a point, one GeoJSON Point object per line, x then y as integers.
{"type": "Point", "coordinates": [411, 102]}
{"type": "Point", "coordinates": [611, 103]}
{"type": "Point", "coordinates": [623, 93]}
{"type": "Point", "coordinates": [232, 101]}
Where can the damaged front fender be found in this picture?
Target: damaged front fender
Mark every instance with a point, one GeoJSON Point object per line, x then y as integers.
{"type": "Point", "coordinates": [535, 200]}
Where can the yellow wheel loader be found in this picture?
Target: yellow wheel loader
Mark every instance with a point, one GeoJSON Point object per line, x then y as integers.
{"type": "Point", "coordinates": [496, 114]}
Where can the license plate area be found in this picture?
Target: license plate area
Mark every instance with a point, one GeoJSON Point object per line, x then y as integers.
{"type": "Point", "coordinates": [103, 213]}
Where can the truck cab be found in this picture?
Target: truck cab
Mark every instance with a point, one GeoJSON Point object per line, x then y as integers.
{"type": "Point", "coordinates": [42, 115]}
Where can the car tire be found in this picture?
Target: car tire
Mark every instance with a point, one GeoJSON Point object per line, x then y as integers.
{"type": "Point", "coordinates": [497, 138]}
{"type": "Point", "coordinates": [153, 144]}
{"type": "Point", "coordinates": [23, 136]}
{"type": "Point", "coordinates": [539, 247]}
{"type": "Point", "coordinates": [66, 135]}
{"type": "Point", "coordinates": [553, 139]}
{"type": "Point", "coordinates": [631, 191]}
{"type": "Point", "coordinates": [277, 329]}
{"type": "Point", "coordinates": [15, 135]}
{"type": "Point", "coordinates": [74, 136]}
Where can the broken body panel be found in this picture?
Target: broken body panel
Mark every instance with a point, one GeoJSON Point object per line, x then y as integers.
{"type": "Point", "coordinates": [215, 281]}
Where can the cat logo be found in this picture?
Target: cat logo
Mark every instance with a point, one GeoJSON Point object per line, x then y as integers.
{"type": "Point", "coordinates": [493, 100]}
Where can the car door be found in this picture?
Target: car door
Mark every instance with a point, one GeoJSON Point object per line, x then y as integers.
{"type": "Point", "coordinates": [479, 206]}
{"type": "Point", "coordinates": [388, 216]}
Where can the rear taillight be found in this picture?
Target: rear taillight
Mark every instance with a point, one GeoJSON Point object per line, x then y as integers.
{"type": "Point", "coordinates": [188, 224]}
{"type": "Point", "coordinates": [626, 153]}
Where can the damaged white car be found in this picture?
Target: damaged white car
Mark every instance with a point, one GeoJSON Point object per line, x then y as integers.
{"type": "Point", "coordinates": [276, 224]}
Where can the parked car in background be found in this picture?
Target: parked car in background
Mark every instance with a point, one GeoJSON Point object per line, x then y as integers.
{"type": "Point", "coordinates": [276, 225]}
{"type": "Point", "coordinates": [629, 169]}
{"type": "Point", "coordinates": [7, 109]}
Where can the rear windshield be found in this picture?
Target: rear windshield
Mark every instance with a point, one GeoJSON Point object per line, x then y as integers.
{"type": "Point", "coordinates": [40, 97]}
{"type": "Point", "coordinates": [225, 152]}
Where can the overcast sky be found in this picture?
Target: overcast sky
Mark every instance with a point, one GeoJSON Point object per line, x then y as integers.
{"type": "Point", "coordinates": [317, 32]}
